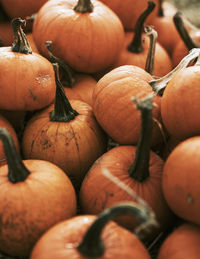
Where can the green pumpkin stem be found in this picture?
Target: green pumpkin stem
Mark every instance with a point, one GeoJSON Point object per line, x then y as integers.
{"type": "Point", "coordinates": [17, 172]}
{"type": "Point", "coordinates": [20, 43]}
{"type": "Point", "coordinates": [63, 111]}
{"type": "Point", "coordinates": [92, 244]}
{"type": "Point", "coordinates": [139, 170]}
{"type": "Point", "coordinates": [160, 9]}
{"type": "Point", "coordinates": [136, 45]}
{"type": "Point", "coordinates": [69, 79]}
{"type": "Point", "coordinates": [158, 85]}
{"type": "Point", "coordinates": [178, 21]}
{"type": "Point", "coordinates": [149, 66]}
{"type": "Point", "coordinates": [84, 6]}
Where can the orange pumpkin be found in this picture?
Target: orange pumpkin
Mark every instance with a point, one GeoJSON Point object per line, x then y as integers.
{"type": "Point", "coordinates": [113, 108]}
{"type": "Point", "coordinates": [87, 36]}
{"type": "Point", "coordinates": [34, 196]}
{"type": "Point", "coordinates": [129, 11]}
{"type": "Point", "coordinates": [90, 236]}
{"type": "Point", "coordinates": [181, 179]}
{"type": "Point", "coordinates": [67, 134]}
{"type": "Point", "coordinates": [27, 79]}
{"type": "Point", "coordinates": [182, 243]}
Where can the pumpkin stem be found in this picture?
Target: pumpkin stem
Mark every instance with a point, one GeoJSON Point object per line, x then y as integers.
{"type": "Point", "coordinates": [20, 43]}
{"type": "Point", "coordinates": [136, 45]}
{"type": "Point", "coordinates": [178, 21]}
{"type": "Point", "coordinates": [159, 84]}
{"type": "Point", "coordinates": [84, 6]}
{"type": "Point", "coordinates": [160, 9]}
{"type": "Point", "coordinates": [92, 244]}
{"type": "Point", "coordinates": [139, 170]}
{"type": "Point", "coordinates": [63, 111]}
{"type": "Point", "coordinates": [149, 66]}
{"type": "Point", "coordinates": [17, 172]}
{"type": "Point", "coordinates": [69, 80]}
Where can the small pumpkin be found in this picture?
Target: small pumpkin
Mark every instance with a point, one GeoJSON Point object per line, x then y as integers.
{"type": "Point", "coordinates": [27, 79]}
{"type": "Point", "coordinates": [183, 242]}
{"type": "Point", "coordinates": [30, 190]}
{"type": "Point", "coordinates": [94, 33]}
{"type": "Point", "coordinates": [180, 180]}
{"type": "Point", "coordinates": [65, 133]}
{"type": "Point", "coordinates": [89, 236]}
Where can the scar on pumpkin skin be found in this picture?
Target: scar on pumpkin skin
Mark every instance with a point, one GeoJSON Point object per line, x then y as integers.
{"type": "Point", "coordinates": [32, 95]}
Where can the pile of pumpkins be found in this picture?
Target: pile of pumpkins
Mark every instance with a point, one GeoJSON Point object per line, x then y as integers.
{"type": "Point", "coordinates": [99, 130]}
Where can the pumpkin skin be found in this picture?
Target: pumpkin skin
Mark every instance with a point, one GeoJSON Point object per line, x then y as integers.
{"type": "Point", "coordinates": [29, 212]}
{"type": "Point", "coordinates": [6, 34]}
{"type": "Point", "coordinates": [183, 242]}
{"type": "Point", "coordinates": [21, 8]}
{"type": "Point", "coordinates": [129, 11]}
{"type": "Point", "coordinates": [4, 123]}
{"type": "Point", "coordinates": [99, 192]}
{"type": "Point", "coordinates": [180, 181]}
{"type": "Point", "coordinates": [91, 50]}
{"type": "Point", "coordinates": [27, 81]}
{"type": "Point", "coordinates": [54, 243]}
{"type": "Point", "coordinates": [114, 109]}
{"type": "Point", "coordinates": [180, 101]}
{"type": "Point", "coordinates": [78, 143]}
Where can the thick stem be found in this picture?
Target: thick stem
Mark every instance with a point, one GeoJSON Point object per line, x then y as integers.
{"type": "Point", "coordinates": [139, 170]}
{"type": "Point", "coordinates": [149, 66]}
{"type": "Point", "coordinates": [63, 111]}
{"type": "Point", "coordinates": [178, 21]}
{"type": "Point", "coordinates": [20, 43]}
{"type": "Point", "coordinates": [136, 45]}
{"type": "Point", "coordinates": [159, 84]}
{"type": "Point", "coordinates": [92, 245]}
{"type": "Point", "coordinates": [84, 6]}
{"type": "Point", "coordinates": [17, 172]}
{"type": "Point", "coordinates": [160, 9]}
{"type": "Point", "coordinates": [69, 79]}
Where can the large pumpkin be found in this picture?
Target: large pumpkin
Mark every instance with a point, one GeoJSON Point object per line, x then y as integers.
{"type": "Point", "coordinates": [87, 35]}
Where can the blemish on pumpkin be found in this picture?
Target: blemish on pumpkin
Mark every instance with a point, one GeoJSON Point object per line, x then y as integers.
{"type": "Point", "coordinates": [107, 196]}
{"type": "Point", "coordinates": [42, 78]}
{"type": "Point", "coordinates": [190, 199]}
{"type": "Point", "coordinates": [32, 95]}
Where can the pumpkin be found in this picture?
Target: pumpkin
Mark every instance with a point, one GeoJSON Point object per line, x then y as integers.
{"type": "Point", "coordinates": [113, 108]}
{"type": "Point", "coordinates": [6, 34]}
{"type": "Point", "coordinates": [189, 39]}
{"type": "Point", "coordinates": [27, 79]}
{"type": "Point", "coordinates": [65, 133]}
{"type": "Point", "coordinates": [4, 123]}
{"type": "Point", "coordinates": [129, 11]}
{"type": "Point", "coordinates": [94, 33]}
{"type": "Point", "coordinates": [35, 195]}
{"type": "Point", "coordinates": [21, 8]}
{"type": "Point", "coordinates": [89, 236]}
{"type": "Point", "coordinates": [134, 167]}
{"type": "Point", "coordinates": [136, 47]}
{"type": "Point", "coordinates": [183, 242]}
{"type": "Point", "coordinates": [164, 24]}
{"type": "Point", "coordinates": [180, 181]}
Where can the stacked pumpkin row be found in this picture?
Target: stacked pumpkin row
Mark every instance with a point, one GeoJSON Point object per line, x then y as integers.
{"type": "Point", "coordinates": [96, 144]}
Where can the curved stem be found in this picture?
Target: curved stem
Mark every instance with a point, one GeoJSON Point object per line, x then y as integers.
{"type": "Point", "coordinates": [17, 172]}
{"type": "Point", "coordinates": [160, 9]}
{"type": "Point", "coordinates": [84, 6]}
{"type": "Point", "coordinates": [136, 45]}
{"type": "Point", "coordinates": [20, 43]}
{"type": "Point", "coordinates": [63, 111]}
{"type": "Point", "coordinates": [69, 79]}
{"type": "Point", "coordinates": [159, 84]}
{"type": "Point", "coordinates": [178, 21]}
{"type": "Point", "coordinates": [149, 66]}
{"type": "Point", "coordinates": [139, 170]}
{"type": "Point", "coordinates": [92, 245]}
